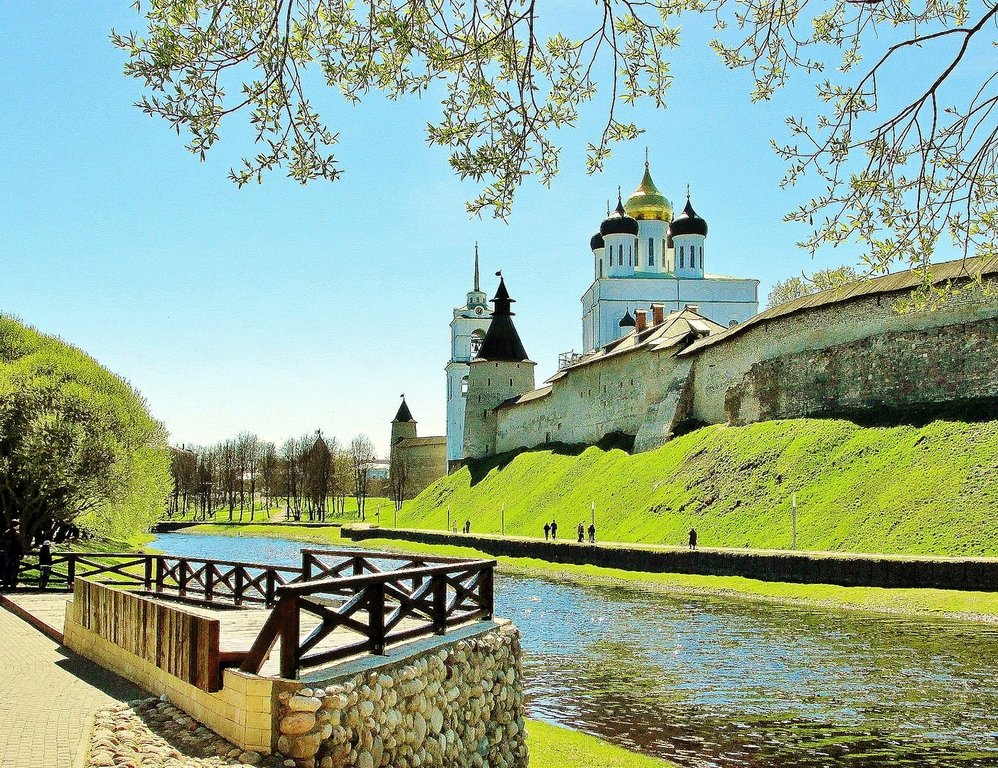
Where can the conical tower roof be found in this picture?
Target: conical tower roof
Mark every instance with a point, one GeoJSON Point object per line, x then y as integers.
{"type": "Point", "coordinates": [502, 342]}
{"type": "Point", "coordinates": [403, 414]}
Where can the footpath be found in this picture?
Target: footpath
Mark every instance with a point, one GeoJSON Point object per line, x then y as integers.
{"type": "Point", "coordinates": [845, 569]}
{"type": "Point", "coordinates": [48, 697]}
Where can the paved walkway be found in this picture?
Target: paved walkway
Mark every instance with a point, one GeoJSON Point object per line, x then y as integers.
{"type": "Point", "coordinates": [47, 697]}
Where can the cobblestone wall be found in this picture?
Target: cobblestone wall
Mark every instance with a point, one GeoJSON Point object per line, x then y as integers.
{"type": "Point", "coordinates": [880, 377]}
{"type": "Point", "coordinates": [460, 706]}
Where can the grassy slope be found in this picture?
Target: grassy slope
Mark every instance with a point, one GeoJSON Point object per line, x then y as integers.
{"type": "Point", "coordinates": [974, 606]}
{"type": "Point", "coordinates": [554, 747]}
{"type": "Point", "coordinates": [925, 490]}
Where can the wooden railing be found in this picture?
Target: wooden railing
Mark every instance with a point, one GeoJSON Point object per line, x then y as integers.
{"type": "Point", "coordinates": [370, 599]}
{"type": "Point", "coordinates": [176, 641]}
{"type": "Point", "coordinates": [382, 608]}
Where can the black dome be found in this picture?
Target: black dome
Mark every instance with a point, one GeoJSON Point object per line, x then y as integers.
{"type": "Point", "coordinates": [688, 223]}
{"type": "Point", "coordinates": [619, 223]}
{"type": "Point", "coordinates": [596, 242]}
{"type": "Point", "coordinates": [627, 321]}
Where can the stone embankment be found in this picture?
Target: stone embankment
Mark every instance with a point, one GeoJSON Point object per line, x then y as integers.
{"type": "Point", "coordinates": [459, 707]}
{"type": "Point", "coordinates": [843, 569]}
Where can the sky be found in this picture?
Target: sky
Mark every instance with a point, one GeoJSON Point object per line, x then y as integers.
{"type": "Point", "coordinates": [280, 309]}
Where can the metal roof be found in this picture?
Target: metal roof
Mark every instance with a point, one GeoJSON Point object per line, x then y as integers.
{"type": "Point", "coordinates": [960, 269]}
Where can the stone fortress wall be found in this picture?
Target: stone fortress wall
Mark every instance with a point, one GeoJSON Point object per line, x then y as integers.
{"type": "Point", "coordinates": [846, 352]}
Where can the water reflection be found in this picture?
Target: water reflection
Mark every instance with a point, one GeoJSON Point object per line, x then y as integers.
{"type": "Point", "coordinates": [716, 682]}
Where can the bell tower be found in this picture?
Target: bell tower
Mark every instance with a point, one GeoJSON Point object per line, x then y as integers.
{"type": "Point", "coordinates": [467, 332]}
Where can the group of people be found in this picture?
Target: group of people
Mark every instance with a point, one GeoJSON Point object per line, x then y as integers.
{"type": "Point", "coordinates": [12, 553]}
{"type": "Point", "coordinates": [551, 531]}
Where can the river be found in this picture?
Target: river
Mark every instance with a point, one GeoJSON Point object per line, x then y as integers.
{"type": "Point", "coordinates": [710, 681]}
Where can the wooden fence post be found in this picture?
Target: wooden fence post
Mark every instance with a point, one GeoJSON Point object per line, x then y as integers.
{"type": "Point", "coordinates": [147, 573]}
{"type": "Point", "coordinates": [439, 603]}
{"type": "Point", "coordinates": [238, 588]}
{"type": "Point", "coordinates": [209, 581]}
{"type": "Point", "coordinates": [487, 587]}
{"type": "Point", "coordinates": [376, 616]}
{"type": "Point", "coordinates": [160, 572]}
{"type": "Point", "coordinates": [290, 632]}
{"type": "Point", "coordinates": [270, 586]}
{"type": "Point", "coordinates": [71, 568]}
{"type": "Point", "coordinates": [306, 566]}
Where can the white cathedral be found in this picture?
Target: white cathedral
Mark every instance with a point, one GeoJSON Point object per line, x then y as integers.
{"type": "Point", "coordinates": [641, 256]}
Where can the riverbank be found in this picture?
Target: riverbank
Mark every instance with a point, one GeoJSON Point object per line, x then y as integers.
{"type": "Point", "coordinates": [912, 490]}
{"type": "Point", "coordinates": [951, 604]}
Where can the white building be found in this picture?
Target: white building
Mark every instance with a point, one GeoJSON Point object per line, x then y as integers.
{"type": "Point", "coordinates": [467, 331]}
{"type": "Point", "coordinates": [641, 256]}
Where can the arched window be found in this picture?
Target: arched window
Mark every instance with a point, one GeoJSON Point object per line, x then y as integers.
{"type": "Point", "coordinates": [651, 252]}
{"type": "Point", "coordinates": [601, 267]}
{"type": "Point", "coordinates": [682, 258]}
{"type": "Point", "coordinates": [477, 337]}
{"type": "Point", "coordinates": [464, 387]}
{"type": "Point", "coordinates": [620, 255]}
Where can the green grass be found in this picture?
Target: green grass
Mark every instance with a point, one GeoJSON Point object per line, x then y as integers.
{"type": "Point", "coordinates": [553, 747]}
{"type": "Point", "coordinates": [972, 606]}
{"type": "Point", "coordinates": [916, 490]}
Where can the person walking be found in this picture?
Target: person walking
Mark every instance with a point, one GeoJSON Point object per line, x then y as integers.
{"type": "Point", "coordinates": [581, 532]}
{"type": "Point", "coordinates": [547, 531]}
{"type": "Point", "coordinates": [13, 551]}
{"type": "Point", "coordinates": [467, 525]}
{"type": "Point", "coordinates": [592, 533]}
{"type": "Point", "coordinates": [44, 564]}
{"type": "Point", "coordinates": [554, 530]}
{"type": "Point", "coordinates": [693, 538]}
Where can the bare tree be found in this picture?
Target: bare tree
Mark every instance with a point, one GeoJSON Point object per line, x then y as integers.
{"type": "Point", "coordinates": [361, 456]}
{"type": "Point", "coordinates": [398, 475]}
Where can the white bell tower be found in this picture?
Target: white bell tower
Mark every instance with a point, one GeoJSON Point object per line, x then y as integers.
{"type": "Point", "coordinates": [467, 331]}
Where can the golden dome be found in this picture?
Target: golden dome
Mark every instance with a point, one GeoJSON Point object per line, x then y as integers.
{"type": "Point", "coordinates": [646, 202]}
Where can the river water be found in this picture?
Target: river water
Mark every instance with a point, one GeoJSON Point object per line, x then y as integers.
{"type": "Point", "coordinates": [710, 681]}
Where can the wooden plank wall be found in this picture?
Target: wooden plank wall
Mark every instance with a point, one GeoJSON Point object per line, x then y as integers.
{"type": "Point", "coordinates": [178, 642]}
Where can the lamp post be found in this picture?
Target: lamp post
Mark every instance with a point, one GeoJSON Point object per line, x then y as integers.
{"type": "Point", "coordinates": [793, 521]}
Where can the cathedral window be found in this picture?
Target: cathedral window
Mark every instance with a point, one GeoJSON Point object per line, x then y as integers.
{"type": "Point", "coordinates": [682, 258]}
{"type": "Point", "coordinates": [477, 337]}
{"type": "Point", "coordinates": [620, 255]}
{"type": "Point", "coordinates": [464, 386]}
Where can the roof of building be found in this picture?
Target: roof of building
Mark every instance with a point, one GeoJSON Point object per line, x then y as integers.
{"type": "Point", "coordinates": [676, 327]}
{"type": "Point", "coordinates": [646, 202]}
{"type": "Point", "coordinates": [618, 222]}
{"type": "Point", "coordinates": [534, 394]}
{"type": "Point", "coordinates": [596, 242]}
{"type": "Point", "coordinates": [403, 414]}
{"type": "Point", "coordinates": [412, 441]}
{"type": "Point", "coordinates": [688, 223]}
{"type": "Point", "coordinates": [502, 342]}
{"type": "Point", "coordinates": [960, 269]}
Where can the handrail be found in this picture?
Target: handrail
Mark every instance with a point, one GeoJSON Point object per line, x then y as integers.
{"type": "Point", "coordinates": [424, 596]}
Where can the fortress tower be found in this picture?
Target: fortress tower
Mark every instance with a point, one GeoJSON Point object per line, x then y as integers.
{"type": "Point", "coordinates": [499, 371]}
{"type": "Point", "coordinates": [467, 333]}
{"type": "Point", "coordinates": [403, 425]}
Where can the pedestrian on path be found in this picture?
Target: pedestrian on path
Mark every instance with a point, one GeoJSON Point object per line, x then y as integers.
{"type": "Point", "coordinates": [547, 531]}
{"type": "Point", "coordinates": [693, 538]}
{"type": "Point", "coordinates": [467, 525]}
{"type": "Point", "coordinates": [44, 564]}
{"type": "Point", "coordinates": [592, 533]}
{"type": "Point", "coordinates": [13, 551]}
{"type": "Point", "coordinates": [581, 532]}
{"type": "Point", "coordinates": [554, 530]}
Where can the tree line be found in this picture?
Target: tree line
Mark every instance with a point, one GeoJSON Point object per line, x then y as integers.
{"type": "Point", "coordinates": [309, 477]}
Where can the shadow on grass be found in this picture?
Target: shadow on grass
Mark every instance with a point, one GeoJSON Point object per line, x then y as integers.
{"type": "Point", "coordinates": [480, 468]}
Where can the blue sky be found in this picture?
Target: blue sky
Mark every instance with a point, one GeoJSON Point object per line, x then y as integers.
{"type": "Point", "coordinates": [280, 309]}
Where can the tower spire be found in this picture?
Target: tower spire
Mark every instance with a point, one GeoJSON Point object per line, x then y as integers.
{"type": "Point", "coordinates": [646, 158]}
{"type": "Point", "coordinates": [476, 267]}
